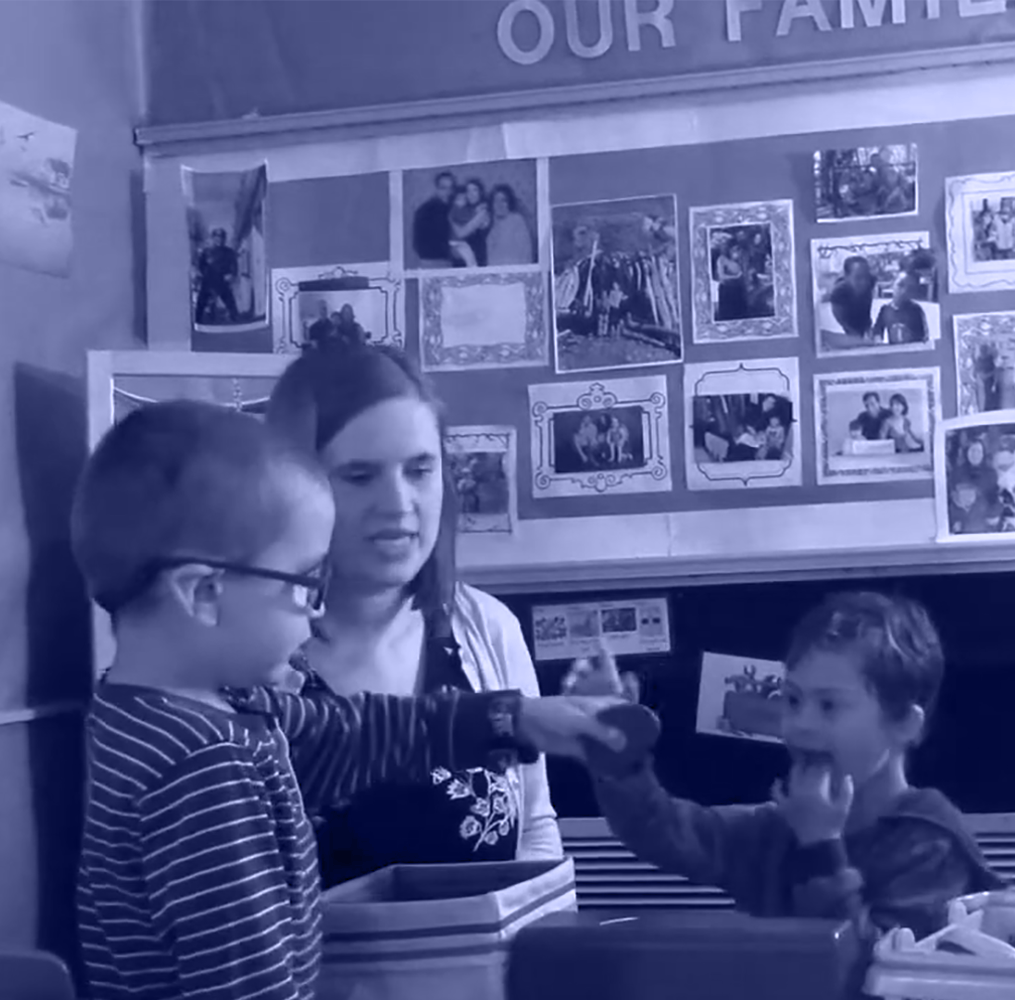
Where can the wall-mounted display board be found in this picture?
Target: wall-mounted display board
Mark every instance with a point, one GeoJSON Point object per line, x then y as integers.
{"type": "Point", "coordinates": [715, 337]}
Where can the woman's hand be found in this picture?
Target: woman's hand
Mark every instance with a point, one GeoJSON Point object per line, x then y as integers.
{"type": "Point", "coordinates": [558, 725]}
{"type": "Point", "coordinates": [598, 677]}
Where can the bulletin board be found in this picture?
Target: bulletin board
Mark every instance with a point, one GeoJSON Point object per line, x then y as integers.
{"type": "Point", "coordinates": [333, 237]}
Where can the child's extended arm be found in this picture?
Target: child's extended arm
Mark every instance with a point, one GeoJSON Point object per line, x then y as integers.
{"type": "Point", "coordinates": [216, 881]}
{"type": "Point", "coordinates": [341, 745]}
{"type": "Point", "coordinates": [720, 846]}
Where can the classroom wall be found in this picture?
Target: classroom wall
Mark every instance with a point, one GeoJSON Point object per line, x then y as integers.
{"type": "Point", "coordinates": [71, 62]}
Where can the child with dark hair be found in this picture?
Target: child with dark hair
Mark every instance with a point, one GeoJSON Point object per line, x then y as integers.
{"type": "Point", "coordinates": [205, 539]}
{"type": "Point", "coordinates": [902, 320]}
{"type": "Point", "coordinates": [845, 836]}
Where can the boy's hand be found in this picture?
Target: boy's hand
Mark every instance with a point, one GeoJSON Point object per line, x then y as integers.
{"type": "Point", "coordinates": [557, 725]}
{"type": "Point", "coordinates": [599, 676]}
{"type": "Point", "coordinates": [813, 804]}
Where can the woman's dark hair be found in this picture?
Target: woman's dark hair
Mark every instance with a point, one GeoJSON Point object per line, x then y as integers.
{"type": "Point", "coordinates": [897, 397]}
{"type": "Point", "coordinates": [509, 196]}
{"type": "Point", "coordinates": [305, 409]}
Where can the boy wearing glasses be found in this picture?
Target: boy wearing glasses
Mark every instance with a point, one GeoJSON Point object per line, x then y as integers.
{"type": "Point", "coordinates": [205, 539]}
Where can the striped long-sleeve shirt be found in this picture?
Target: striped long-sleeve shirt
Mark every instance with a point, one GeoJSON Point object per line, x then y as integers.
{"type": "Point", "coordinates": [198, 874]}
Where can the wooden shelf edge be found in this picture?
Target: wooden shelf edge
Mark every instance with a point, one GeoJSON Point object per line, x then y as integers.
{"type": "Point", "coordinates": [638, 574]}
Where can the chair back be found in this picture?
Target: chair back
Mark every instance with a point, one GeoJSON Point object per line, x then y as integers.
{"type": "Point", "coordinates": [34, 975]}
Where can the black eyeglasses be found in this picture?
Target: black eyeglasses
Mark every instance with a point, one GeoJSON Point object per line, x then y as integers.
{"type": "Point", "coordinates": [309, 589]}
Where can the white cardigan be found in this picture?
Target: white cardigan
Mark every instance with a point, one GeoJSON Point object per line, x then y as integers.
{"type": "Point", "coordinates": [495, 658]}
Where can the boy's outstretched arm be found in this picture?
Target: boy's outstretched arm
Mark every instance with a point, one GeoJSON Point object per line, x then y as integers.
{"type": "Point", "coordinates": [341, 745]}
{"type": "Point", "coordinates": [217, 884]}
{"type": "Point", "coordinates": [720, 846]}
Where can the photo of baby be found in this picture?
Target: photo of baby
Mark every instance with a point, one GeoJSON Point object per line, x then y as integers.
{"type": "Point", "coordinates": [975, 485]}
{"type": "Point", "coordinates": [876, 295]}
{"type": "Point", "coordinates": [875, 425]}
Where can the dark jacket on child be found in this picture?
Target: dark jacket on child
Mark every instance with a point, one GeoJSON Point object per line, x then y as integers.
{"type": "Point", "coordinates": [900, 872]}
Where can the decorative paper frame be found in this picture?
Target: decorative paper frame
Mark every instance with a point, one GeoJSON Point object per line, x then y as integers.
{"type": "Point", "coordinates": [970, 331]}
{"type": "Point", "coordinates": [532, 351]}
{"type": "Point", "coordinates": [496, 440]}
{"type": "Point", "coordinates": [929, 380]}
{"type": "Point", "coordinates": [288, 283]}
{"type": "Point", "coordinates": [669, 222]}
{"type": "Point", "coordinates": [647, 393]}
{"type": "Point", "coordinates": [862, 246]}
{"type": "Point", "coordinates": [942, 485]}
{"type": "Point", "coordinates": [779, 216]}
{"type": "Point", "coordinates": [965, 274]}
{"type": "Point", "coordinates": [765, 376]}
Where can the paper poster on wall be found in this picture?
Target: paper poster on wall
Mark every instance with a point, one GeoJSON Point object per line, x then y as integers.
{"type": "Point", "coordinates": [743, 272]}
{"type": "Point", "coordinates": [866, 182]}
{"type": "Point", "coordinates": [876, 426]}
{"type": "Point", "coordinates": [740, 697]}
{"type": "Point", "coordinates": [980, 217]}
{"type": "Point", "coordinates": [615, 293]}
{"type": "Point", "coordinates": [483, 320]}
{"type": "Point", "coordinates": [473, 216]}
{"type": "Point", "coordinates": [36, 175]}
{"type": "Point", "coordinates": [985, 362]}
{"type": "Point", "coordinates": [635, 626]}
{"type": "Point", "coordinates": [596, 438]}
{"type": "Point", "coordinates": [741, 423]}
{"type": "Point", "coordinates": [226, 215]}
{"type": "Point", "coordinates": [484, 467]}
{"type": "Point", "coordinates": [974, 478]}
{"type": "Point", "coordinates": [875, 294]}
{"type": "Point", "coordinates": [343, 304]}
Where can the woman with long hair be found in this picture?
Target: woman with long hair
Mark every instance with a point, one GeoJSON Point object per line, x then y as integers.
{"type": "Point", "coordinates": [397, 621]}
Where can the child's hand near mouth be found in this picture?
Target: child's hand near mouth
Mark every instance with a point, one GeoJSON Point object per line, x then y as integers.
{"type": "Point", "coordinates": [813, 803]}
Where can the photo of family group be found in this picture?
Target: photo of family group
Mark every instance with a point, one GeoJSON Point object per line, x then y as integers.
{"type": "Point", "coordinates": [615, 284]}
{"type": "Point", "coordinates": [876, 426]}
{"type": "Point", "coordinates": [600, 437]}
{"type": "Point", "coordinates": [985, 361]}
{"type": "Point", "coordinates": [477, 215]}
{"type": "Point", "coordinates": [743, 286]}
{"type": "Point", "coordinates": [228, 255]}
{"type": "Point", "coordinates": [742, 424]}
{"type": "Point", "coordinates": [743, 275]}
{"type": "Point", "coordinates": [865, 182]}
{"type": "Point", "coordinates": [980, 215]}
{"type": "Point", "coordinates": [873, 295]}
{"type": "Point", "coordinates": [483, 467]}
{"type": "Point", "coordinates": [975, 479]}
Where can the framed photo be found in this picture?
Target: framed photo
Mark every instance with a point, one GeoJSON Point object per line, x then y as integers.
{"type": "Point", "coordinates": [742, 424]}
{"type": "Point", "coordinates": [347, 303]}
{"type": "Point", "coordinates": [865, 182]}
{"type": "Point", "coordinates": [876, 294]}
{"type": "Point", "coordinates": [473, 217]}
{"type": "Point", "coordinates": [876, 426]}
{"type": "Point", "coordinates": [592, 439]}
{"type": "Point", "coordinates": [974, 478]}
{"type": "Point", "coordinates": [615, 295]}
{"type": "Point", "coordinates": [985, 362]}
{"type": "Point", "coordinates": [743, 274]}
{"type": "Point", "coordinates": [739, 697]}
{"type": "Point", "coordinates": [226, 224]}
{"type": "Point", "coordinates": [980, 216]}
{"type": "Point", "coordinates": [484, 466]}
{"type": "Point", "coordinates": [629, 627]}
{"type": "Point", "coordinates": [483, 320]}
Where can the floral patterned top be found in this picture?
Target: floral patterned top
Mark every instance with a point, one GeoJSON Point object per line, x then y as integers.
{"type": "Point", "coordinates": [463, 816]}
